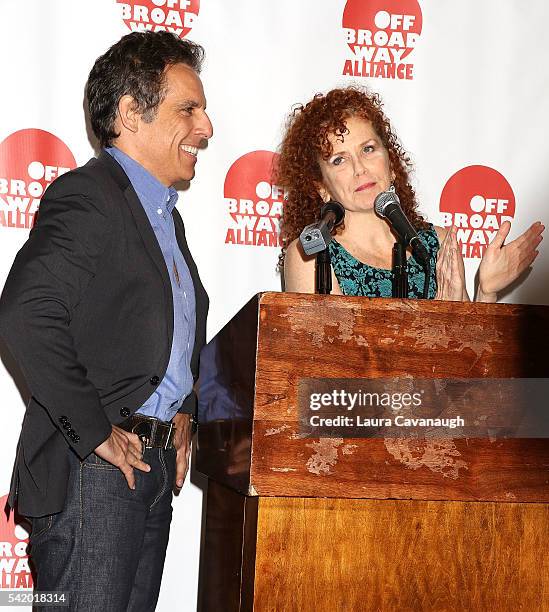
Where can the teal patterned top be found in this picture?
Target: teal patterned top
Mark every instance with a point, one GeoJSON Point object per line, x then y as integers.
{"type": "Point", "coordinates": [357, 278]}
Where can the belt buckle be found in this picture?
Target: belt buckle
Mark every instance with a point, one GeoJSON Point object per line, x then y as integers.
{"type": "Point", "coordinates": [145, 440]}
{"type": "Point", "coordinates": [167, 442]}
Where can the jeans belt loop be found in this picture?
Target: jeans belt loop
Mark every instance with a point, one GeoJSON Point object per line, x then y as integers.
{"type": "Point", "coordinates": [153, 429]}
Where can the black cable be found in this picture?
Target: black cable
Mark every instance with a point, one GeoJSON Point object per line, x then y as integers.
{"type": "Point", "coordinates": [427, 269]}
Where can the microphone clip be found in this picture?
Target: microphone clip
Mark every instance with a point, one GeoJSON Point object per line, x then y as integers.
{"type": "Point", "coordinates": [317, 236]}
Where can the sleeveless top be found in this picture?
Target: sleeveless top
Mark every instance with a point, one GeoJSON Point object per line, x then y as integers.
{"type": "Point", "coordinates": [357, 278]}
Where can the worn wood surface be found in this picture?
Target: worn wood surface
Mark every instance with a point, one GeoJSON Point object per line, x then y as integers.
{"type": "Point", "coordinates": [355, 555]}
{"type": "Point", "coordinates": [256, 446]}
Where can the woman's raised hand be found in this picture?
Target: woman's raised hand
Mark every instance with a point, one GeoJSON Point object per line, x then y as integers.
{"type": "Point", "coordinates": [450, 270]}
{"type": "Point", "coordinates": [502, 263]}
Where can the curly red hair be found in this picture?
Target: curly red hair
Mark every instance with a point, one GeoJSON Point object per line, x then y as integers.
{"type": "Point", "coordinates": [306, 141]}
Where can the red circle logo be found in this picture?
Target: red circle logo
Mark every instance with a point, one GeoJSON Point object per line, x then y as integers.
{"type": "Point", "coordinates": [176, 16]}
{"type": "Point", "coordinates": [14, 562]}
{"type": "Point", "coordinates": [380, 35]}
{"type": "Point", "coordinates": [477, 200]}
{"type": "Point", "coordinates": [29, 161]}
{"type": "Point", "coordinates": [253, 201]}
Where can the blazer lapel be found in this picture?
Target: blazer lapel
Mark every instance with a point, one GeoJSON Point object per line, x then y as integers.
{"type": "Point", "coordinates": [145, 230]}
{"type": "Point", "coordinates": [151, 245]}
{"type": "Point", "coordinates": [139, 215]}
{"type": "Point", "coordinates": [147, 233]}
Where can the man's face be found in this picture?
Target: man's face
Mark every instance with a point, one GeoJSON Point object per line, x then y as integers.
{"type": "Point", "coordinates": [168, 145]}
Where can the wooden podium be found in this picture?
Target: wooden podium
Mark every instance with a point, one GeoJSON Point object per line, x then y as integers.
{"type": "Point", "coordinates": [336, 524]}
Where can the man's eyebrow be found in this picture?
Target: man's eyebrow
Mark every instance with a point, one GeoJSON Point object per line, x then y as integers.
{"type": "Point", "coordinates": [189, 103]}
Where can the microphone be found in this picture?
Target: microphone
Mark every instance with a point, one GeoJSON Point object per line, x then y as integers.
{"type": "Point", "coordinates": [317, 236]}
{"type": "Point", "coordinates": [387, 205]}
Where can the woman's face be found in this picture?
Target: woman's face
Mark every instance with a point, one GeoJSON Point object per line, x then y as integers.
{"type": "Point", "coordinates": [358, 169]}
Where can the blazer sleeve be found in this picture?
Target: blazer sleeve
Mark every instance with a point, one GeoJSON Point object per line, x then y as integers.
{"type": "Point", "coordinates": [43, 289]}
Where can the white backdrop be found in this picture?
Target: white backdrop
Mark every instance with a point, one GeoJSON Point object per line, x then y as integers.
{"type": "Point", "coordinates": [477, 97]}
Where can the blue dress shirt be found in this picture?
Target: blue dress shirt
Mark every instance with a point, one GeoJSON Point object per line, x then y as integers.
{"type": "Point", "coordinates": [158, 202]}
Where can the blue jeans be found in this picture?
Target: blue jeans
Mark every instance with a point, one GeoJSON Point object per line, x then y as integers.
{"type": "Point", "coordinates": [106, 549]}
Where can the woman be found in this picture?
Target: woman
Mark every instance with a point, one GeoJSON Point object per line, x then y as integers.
{"type": "Point", "coordinates": [341, 147]}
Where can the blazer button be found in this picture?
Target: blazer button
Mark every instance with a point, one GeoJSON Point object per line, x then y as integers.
{"type": "Point", "coordinates": [154, 380]}
{"type": "Point", "coordinates": [125, 412]}
{"type": "Point", "coordinates": [67, 425]}
{"type": "Point", "coordinates": [63, 420]}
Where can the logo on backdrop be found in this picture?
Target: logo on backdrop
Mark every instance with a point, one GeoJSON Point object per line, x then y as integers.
{"type": "Point", "coordinates": [14, 563]}
{"type": "Point", "coordinates": [29, 161]}
{"type": "Point", "coordinates": [477, 200]}
{"type": "Point", "coordinates": [253, 201]}
{"type": "Point", "coordinates": [177, 16]}
{"type": "Point", "coordinates": [381, 34]}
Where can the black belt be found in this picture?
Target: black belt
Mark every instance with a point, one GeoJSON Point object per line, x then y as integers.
{"type": "Point", "coordinates": [153, 432]}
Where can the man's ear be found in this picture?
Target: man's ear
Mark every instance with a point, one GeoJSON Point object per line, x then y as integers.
{"type": "Point", "coordinates": [127, 113]}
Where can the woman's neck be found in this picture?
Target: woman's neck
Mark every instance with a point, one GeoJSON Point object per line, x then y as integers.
{"type": "Point", "coordinates": [366, 229]}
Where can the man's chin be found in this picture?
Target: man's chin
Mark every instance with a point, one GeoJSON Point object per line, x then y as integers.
{"type": "Point", "coordinates": [188, 175]}
{"type": "Point", "coordinates": [183, 183]}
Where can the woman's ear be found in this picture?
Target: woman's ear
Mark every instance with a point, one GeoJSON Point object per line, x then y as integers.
{"type": "Point", "coordinates": [323, 193]}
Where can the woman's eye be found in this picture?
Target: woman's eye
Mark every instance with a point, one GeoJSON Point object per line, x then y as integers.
{"type": "Point", "coordinates": [336, 161]}
{"type": "Point", "coordinates": [368, 148]}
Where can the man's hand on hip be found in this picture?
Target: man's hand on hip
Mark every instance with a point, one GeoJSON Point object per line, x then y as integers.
{"type": "Point", "coordinates": [124, 450]}
{"type": "Point", "coordinates": [182, 443]}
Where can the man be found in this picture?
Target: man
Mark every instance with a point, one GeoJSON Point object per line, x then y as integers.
{"type": "Point", "coordinates": [105, 313]}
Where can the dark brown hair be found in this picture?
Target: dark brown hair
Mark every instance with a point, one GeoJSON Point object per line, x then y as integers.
{"type": "Point", "coordinates": [135, 65]}
{"type": "Point", "coordinates": [306, 141]}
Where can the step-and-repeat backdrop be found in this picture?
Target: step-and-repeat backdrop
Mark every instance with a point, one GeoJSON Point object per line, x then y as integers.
{"type": "Point", "coordinates": [465, 84]}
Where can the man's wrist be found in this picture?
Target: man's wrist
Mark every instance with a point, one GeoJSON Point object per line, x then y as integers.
{"type": "Point", "coordinates": [192, 420]}
{"type": "Point", "coordinates": [486, 297]}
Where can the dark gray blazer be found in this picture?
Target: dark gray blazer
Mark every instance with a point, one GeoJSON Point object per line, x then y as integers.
{"type": "Point", "coordinates": [87, 312]}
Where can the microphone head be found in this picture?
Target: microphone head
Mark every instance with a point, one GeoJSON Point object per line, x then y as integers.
{"type": "Point", "coordinates": [336, 208]}
{"type": "Point", "coordinates": [383, 199]}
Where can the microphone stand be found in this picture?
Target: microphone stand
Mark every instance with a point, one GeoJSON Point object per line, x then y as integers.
{"type": "Point", "coordinates": [315, 240]}
{"type": "Point", "coordinates": [323, 272]}
{"type": "Point", "coordinates": [400, 271]}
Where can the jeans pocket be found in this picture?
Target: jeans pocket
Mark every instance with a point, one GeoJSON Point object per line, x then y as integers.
{"type": "Point", "coordinates": [93, 460]}
{"type": "Point", "coordinates": [40, 525]}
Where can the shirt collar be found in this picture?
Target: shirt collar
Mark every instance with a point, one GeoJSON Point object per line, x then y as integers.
{"type": "Point", "coordinates": [151, 192]}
